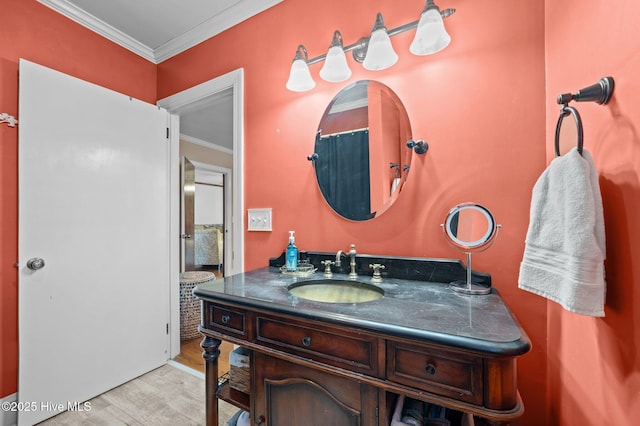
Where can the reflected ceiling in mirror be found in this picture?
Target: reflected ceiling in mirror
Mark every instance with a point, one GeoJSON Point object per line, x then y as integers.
{"type": "Point", "coordinates": [360, 156]}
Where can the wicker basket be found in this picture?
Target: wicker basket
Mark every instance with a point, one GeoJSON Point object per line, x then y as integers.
{"type": "Point", "coordinates": [189, 305]}
{"type": "Point", "coordinates": [239, 363]}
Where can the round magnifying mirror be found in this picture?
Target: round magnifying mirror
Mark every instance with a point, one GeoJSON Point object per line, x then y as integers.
{"type": "Point", "coordinates": [470, 228]}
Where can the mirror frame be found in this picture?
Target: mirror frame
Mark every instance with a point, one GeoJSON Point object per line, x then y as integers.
{"type": "Point", "coordinates": [481, 243]}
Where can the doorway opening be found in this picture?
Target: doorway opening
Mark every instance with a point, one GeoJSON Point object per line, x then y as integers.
{"type": "Point", "coordinates": [193, 107]}
{"type": "Point", "coordinates": [209, 222]}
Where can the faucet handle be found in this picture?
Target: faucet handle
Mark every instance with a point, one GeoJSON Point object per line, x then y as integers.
{"type": "Point", "coordinates": [327, 268]}
{"type": "Point", "coordinates": [376, 278]}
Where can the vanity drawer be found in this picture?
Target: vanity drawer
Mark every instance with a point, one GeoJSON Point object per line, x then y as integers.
{"type": "Point", "coordinates": [225, 319]}
{"type": "Point", "coordinates": [329, 345]}
{"type": "Point", "coordinates": [436, 370]}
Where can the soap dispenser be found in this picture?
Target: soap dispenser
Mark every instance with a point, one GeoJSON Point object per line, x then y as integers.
{"type": "Point", "coordinates": [292, 254]}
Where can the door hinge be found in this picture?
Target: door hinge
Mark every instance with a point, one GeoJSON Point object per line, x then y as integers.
{"type": "Point", "coordinates": [167, 328]}
{"type": "Point", "coordinates": [167, 133]}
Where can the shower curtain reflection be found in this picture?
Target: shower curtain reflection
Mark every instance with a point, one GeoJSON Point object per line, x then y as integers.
{"type": "Point", "coordinates": [342, 168]}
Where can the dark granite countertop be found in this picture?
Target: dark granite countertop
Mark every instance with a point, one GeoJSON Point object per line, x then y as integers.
{"type": "Point", "coordinates": [424, 311]}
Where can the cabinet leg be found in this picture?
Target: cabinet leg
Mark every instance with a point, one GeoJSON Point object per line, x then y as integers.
{"type": "Point", "coordinates": [211, 352]}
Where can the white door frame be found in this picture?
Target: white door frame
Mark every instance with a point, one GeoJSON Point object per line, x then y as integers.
{"type": "Point", "coordinates": [235, 262]}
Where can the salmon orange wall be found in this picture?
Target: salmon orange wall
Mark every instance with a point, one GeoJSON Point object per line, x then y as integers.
{"type": "Point", "coordinates": [594, 363]}
{"type": "Point", "coordinates": [480, 104]}
{"type": "Point", "coordinates": [32, 31]}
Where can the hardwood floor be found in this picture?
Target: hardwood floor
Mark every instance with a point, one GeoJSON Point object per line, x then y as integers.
{"type": "Point", "coordinates": [190, 350]}
{"type": "Point", "coordinates": [191, 355]}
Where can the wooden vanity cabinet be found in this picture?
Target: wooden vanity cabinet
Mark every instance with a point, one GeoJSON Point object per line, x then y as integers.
{"type": "Point", "coordinates": [436, 370]}
{"type": "Point", "coordinates": [311, 372]}
{"type": "Point", "coordinates": [291, 394]}
{"type": "Point", "coordinates": [339, 347]}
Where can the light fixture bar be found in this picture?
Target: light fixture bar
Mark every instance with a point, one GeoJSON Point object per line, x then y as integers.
{"type": "Point", "coordinates": [375, 52]}
{"type": "Point", "coordinates": [346, 49]}
{"type": "Point", "coordinates": [362, 43]}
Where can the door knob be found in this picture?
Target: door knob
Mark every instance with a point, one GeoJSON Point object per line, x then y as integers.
{"type": "Point", "coordinates": [35, 263]}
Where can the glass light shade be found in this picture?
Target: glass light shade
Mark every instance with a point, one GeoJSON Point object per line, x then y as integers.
{"type": "Point", "coordinates": [380, 53]}
{"type": "Point", "coordinates": [335, 68]}
{"type": "Point", "coordinates": [431, 36]}
{"type": "Point", "coordinates": [299, 77]}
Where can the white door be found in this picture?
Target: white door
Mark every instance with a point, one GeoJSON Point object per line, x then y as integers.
{"type": "Point", "coordinates": [94, 206]}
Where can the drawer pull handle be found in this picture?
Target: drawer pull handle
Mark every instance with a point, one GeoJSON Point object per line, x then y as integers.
{"type": "Point", "coordinates": [431, 369]}
{"type": "Point", "coordinates": [306, 341]}
{"type": "Point", "coordinates": [225, 319]}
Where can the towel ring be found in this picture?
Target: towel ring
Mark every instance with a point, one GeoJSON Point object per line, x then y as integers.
{"type": "Point", "coordinates": [600, 93]}
{"type": "Point", "coordinates": [564, 112]}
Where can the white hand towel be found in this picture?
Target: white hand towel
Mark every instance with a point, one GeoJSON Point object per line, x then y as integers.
{"type": "Point", "coordinates": [565, 245]}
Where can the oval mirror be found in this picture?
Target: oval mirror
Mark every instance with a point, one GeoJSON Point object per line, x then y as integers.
{"type": "Point", "coordinates": [470, 228]}
{"type": "Point", "coordinates": [361, 158]}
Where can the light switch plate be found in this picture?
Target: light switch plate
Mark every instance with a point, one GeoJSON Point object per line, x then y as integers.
{"type": "Point", "coordinates": [259, 220]}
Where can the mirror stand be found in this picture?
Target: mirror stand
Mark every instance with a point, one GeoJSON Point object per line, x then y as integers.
{"type": "Point", "coordinates": [468, 286]}
{"type": "Point", "coordinates": [470, 228]}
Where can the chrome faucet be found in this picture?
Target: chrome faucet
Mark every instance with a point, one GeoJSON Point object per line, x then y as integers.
{"type": "Point", "coordinates": [339, 255]}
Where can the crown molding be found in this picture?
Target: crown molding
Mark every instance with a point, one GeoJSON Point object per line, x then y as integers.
{"type": "Point", "coordinates": [215, 25]}
{"type": "Point", "coordinates": [96, 25]}
{"type": "Point", "coordinates": [228, 18]}
{"type": "Point", "coordinates": [206, 144]}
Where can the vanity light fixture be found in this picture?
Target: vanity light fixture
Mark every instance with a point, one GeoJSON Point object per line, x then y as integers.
{"type": "Point", "coordinates": [380, 54]}
{"type": "Point", "coordinates": [431, 35]}
{"type": "Point", "coordinates": [299, 77]}
{"type": "Point", "coordinates": [335, 68]}
{"type": "Point", "coordinates": [374, 52]}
